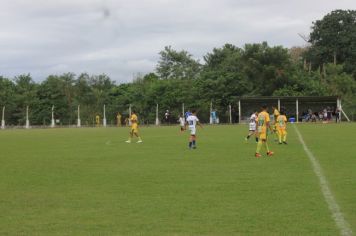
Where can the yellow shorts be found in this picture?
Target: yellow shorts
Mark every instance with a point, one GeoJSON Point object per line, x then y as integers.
{"type": "Point", "coordinates": [134, 128]}
{"type": "Point", "coordinates": [262, 136]}
{"type": "Point", "coordinates": [282, 132]}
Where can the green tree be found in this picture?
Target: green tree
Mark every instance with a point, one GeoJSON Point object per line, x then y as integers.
{"type": "Point", "coordinates": [333, 39]}
{"type": "Point", "coordinates": [177, 64]}
{"type": "Point", "coordinates": [7, 91]}
{"type": "Point", "coordinates": [25, 95]}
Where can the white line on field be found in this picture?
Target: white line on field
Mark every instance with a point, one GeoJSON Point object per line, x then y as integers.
{"type": "Point", "coordinates": [329, 197]}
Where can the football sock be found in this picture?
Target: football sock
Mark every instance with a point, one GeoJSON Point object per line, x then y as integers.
{"type": "Point", "coordinates": [190, 144]}
{"type": "Point", "coordinates": [248, 136]}
{"type": "Point", "coordinates": [285, 138]}
{"type": "Point", "coordinates": [259, 145]}
{"type": "Point", "coordinates": [267, 148]}
{"type": "Point", "coordinates": [193, 142]}
{"type": "Point", "coordinates": [256, 139]}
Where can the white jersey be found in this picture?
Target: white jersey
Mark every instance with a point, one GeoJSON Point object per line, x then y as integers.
{"type": "Point", "coordinates": [181, 121]}
{"type": "Point", "coordinates": [192, 122]}
{"type": "Point", "coordinates": [252, 123]}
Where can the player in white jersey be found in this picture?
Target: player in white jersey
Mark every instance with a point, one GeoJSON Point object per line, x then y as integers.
{"type": "Point", "coordinates": [252, 126]}
{"type": "Point", "coordinates": [181, 122]}
{"type": "Point", "coordinates": [192, 122]}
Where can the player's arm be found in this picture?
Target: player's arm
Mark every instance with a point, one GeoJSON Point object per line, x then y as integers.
{"type": "Point", "coordinates": [268, 124]}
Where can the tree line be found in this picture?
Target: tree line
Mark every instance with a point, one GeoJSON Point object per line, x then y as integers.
{"type": "Point", "coordinates": [326, 66]}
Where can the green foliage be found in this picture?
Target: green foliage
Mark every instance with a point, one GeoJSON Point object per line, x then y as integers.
{"type": "Point", "coordinates": [178, 65]}
{"type": "Point", "coordinates": [333, 39]}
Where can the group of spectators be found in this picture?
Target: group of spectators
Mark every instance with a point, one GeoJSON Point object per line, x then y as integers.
{"type": "Point", "coordinates": [326, 115]}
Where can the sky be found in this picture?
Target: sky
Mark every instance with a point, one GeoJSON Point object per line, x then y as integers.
{"type": "Point", "coordinates": [123, 38]}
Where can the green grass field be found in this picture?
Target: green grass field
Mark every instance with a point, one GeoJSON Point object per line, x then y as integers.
{"type": "Point", "coordinates": [90, 182]}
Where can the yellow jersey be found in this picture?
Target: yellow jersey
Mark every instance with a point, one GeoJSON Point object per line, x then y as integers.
{"type": "Point", "coordinates": [262, 120]}
{"type": "Point", "coordinates": [281, 122]}
{"type": "Point", "coordinates": [134, 121]}
{"type": "Point", "coordinates": [133, 118]}
{"type": "Point", "coordinates": [276, 114]}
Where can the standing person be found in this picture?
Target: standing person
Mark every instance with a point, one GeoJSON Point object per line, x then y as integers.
{"type": "Point", "coordinates": [282, 128]}
{"type": "Point", "coordinates": [187, 113]}
{"type": "Point", "coordinates": [134, 128]}
{"type": "Point", "coordinates": [118, 117]}
{"type": "Point", "coordinates": [166, 116]}
{"type": "Point", "coordinates": [337, 114]}
{"type": "Point", "coordinates": [252, 126]}
{"type": "Point", "coordinates": [192, 122]}
{"type": "Point", "coordinates": [263, 122]}
{"type": "Point", "coordinates": [181, 122]}
{"type": "Point", "coordinates": [97, 120]}
{"type": "Point", "coordinates": [275, 115]}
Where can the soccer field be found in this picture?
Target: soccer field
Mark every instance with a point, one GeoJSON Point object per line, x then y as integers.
{"type": "Point", "coordinates": [88, 181]}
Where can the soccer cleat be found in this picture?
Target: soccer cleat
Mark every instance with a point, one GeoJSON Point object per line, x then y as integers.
{"type": "Point", "coordinates": [139, 141]}
{"type": "Point", "coordinates": [194, 147]}
{"type": "Point", "coordinates": [269, 153]}
{"type": "Point", "coordinates": [128, 141]}
{"type": "Point", "coordinates": [257, 155]}
{"type": "Point", "coordinates": [284, 142]}
{"type": "Point", "coordinates": [279, 143]}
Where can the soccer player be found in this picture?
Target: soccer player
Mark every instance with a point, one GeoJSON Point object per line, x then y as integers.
{"type": "Point", "coordinates": [281, 127]}
{"type": "Point", "coordinates": [252, 126]}
{"type": "Point", "coordinates": [134, 128]}
{"type": "Point", "coordinates": [263, 122]}
{"type": "Point", "coordinates": [192, 122]}
{"type": "Point", "coordinates": [275, 115]}
{"type": "Point", "coordinates": [181, 122]}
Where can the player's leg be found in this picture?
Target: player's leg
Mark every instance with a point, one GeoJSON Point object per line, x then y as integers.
{"type": "Point", "coordinates": [280, 134]}
{"type": "Point", "coordinates": [285, 136]}
{"type": "Point", "coordinates": [130, 137]}
{"type": "Point", "coordinates": [269, 152]}
{"type": "Point", "coordinates": [190, 141]}
{"type": "Point", "coordinates": [138, 136]}
{"type": "Point", "coordinates": [261, 138]}
{"type": "Point", "coordinates": [193, 142]}
{"type": "Point", "coordinates": [192, 137]}
{"type": "Point", "coordinates": [275, 132]}
{"type": "Point", "coordinates": [250, 133]}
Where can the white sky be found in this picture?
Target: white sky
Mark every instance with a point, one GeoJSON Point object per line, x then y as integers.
{"type": "Point", "coordinates": [123, 38]}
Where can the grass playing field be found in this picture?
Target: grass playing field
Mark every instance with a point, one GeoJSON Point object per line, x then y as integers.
{"type": "Point", "coordinates": [90, 182]}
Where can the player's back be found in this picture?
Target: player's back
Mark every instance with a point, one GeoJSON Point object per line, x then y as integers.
{"type": "Point", "coordinates": [192, 120]}
{"type": "Point", "coordinates": [281, 121]}
{"type": "Point", "coordinates": [262, 120]}
{"type": "Point", "coordinates": [253, 118]}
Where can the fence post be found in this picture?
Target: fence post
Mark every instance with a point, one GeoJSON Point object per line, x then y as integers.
{"type": "Point", "coordinates": [297, 110]}
{"type": "Point", "coordinates": [3, 118]}
{"type": "Point", "coordinates": [157, 119]}
{"type": "Point", "coordinates": [239, 111]}
{"type": "Point", "coordinates": [78, 121]}
{"type": "Point", "coordinates": [27, 126]}
{"type": "Point", "coordinates": [104, 119]}
{"type": "Point", "coordinates": [52, 120]}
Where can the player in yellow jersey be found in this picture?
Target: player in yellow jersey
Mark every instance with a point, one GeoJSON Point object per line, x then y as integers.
{"type": "Point", "coordinates": [263, 123]}
{"type": "Point", "coordinates": [282, 128]}
{"type": "Point", "coordinates": [134, 128]}
{"type": "Point", "coordinates": [275, 115]}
